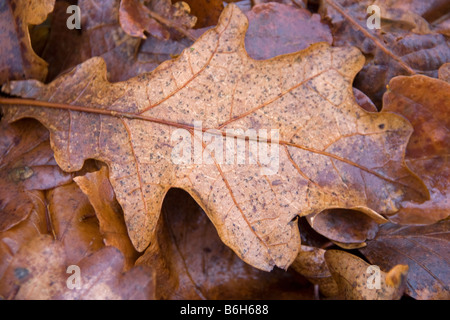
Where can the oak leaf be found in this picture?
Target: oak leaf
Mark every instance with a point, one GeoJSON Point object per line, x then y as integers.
{"type": "Point", "coordinates": [405, 44]}
{"type": "Point", "coordinates": [423, 248]}
{"type": "Point", "coordinates": [102, 35]}
{"type": "Point", "coordinates": [356, 281]}
{"type": "Point", "coordinates": [189, 261]}
{"type": "Point", "coordinates": [424, 101]}
{"type": "Point", "coordinates": [310, 263]}
{"type": "Point", "coordinates": [26, 164]}
{"type": "Point", "coordinates": [276, 28]}
{"type": "Point", "coordinates": [39, 272]}
{"type": "Point", "coordinates": [332, 154]}
{"type": "Point", "coordinates": [96, 186]}
{"type": "Point", "coordinates": [19, 61]}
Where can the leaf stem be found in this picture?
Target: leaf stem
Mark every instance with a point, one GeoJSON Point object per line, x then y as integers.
{"type": "Point", "coordinates": [383, 48]}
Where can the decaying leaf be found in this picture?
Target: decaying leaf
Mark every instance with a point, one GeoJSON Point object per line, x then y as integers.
{"type": "Point", "coordinates": [19, 61]}
{"type": "Point", "coordinates": [444, 72]}
{"type": "Point", "coordinates": [26, 163]}
{"type": "Point", "coordinates": [102, 35]}
{"type": "Point", "coordinates": [73, 222]}
{"type": "Point", "coordinates": [310, 263]}
{"type": "Point", "coordinates": [39, 272]}
{"type": "Point", "coordinates": [135, 19]}
{"type": "Point", "coordinates": [345, 226]}
{"type": "Point", "coordinates": [423, 248]}
{"type": "Point", "coordinates": [206, 11]}
{"type": "Point", "coordinates": [190, 261]}
{"type": "Point", "coordinates": [404, 44]}
{"type": "Point", "coordinates": [15, 237]}
{"type": "Point", "coordinates": [100, 193]}
{"type": "Point", "coordinates": [424, 102]}
{"type": "Point", "coordinates": [331, 153]}
{"type": "Point", "coordinates": [356, 281]}
{"type": "Point", "coordinates": [276, 28]}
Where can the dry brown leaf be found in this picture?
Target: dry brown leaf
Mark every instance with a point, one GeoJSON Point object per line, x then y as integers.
{"type": "Point", "coordinates": [134, 19]}
{"type": "Point", "coordinates": [101, 35]}
{"type": "Point", "coordinates": [355, 281]}
{"type": "Point", "coordinates": [344, 226]}
{"type": "Point", "coordinates": [404, 45]}
{"type": "Point", "coordinates": [100, 193]}
{"type": "Point", "coordinates": [26, 163]}
{"type": "Point", "coordinates": [189, 261]}
{"type": "Point", "coordinates": [364, 101]}
{"type": "Point", "coordinates": [444, 72]}
{"type": "Point", "coordinates": [39, 272]}
{"type": "Point", "coordinates": [332, 154]}
{"type": "Point", "coordinates": [73, 222]}
{"type": "Point", "coordinates": [310, 263]}
{"type": "Point", "coordinates": [424, 102]}
{"type": "Point", "coordinates": [19, 61]}
{"type": "Point", "coordinates": [206, 11]}
{"type": "Point", "coordinates": [276, 28]}
{"type": "Point", "coordinates": [14, 238]}
{"type": "Point", "coordinates": [423, 248]}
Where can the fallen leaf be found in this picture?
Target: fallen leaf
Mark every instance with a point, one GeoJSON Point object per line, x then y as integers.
{"type": "Point", "coordinates": [310, 263]}
{"type": "Point", "coordinates": [423, 248]}
{"type": "Point", "coordinates": [444, 72]}
{"type": "Point", "coordinates": [404, 45]}
{"type": "Point", "coordinates": [134, 19]}
{"type": "Point", "coordinates": [39, 272]}
{"type": "Point", "coordinates": [344, 226]}
{"type": "Point", "coordinates": [100, 193]}
{"type": "Point", "coordinates": [190, 261]}
{"type": "Point", "coordinates": [15, 237]}
{"type": "Point", "coordinates": [429, 10]}
{"type": "Point", "coordinates": [102, 35]}
{"type": "Point", "coordinates": [206, 11]}
{"type": "Point", "coordinates": [26, 163]}
{"type": "Point", "coordinates": [73, 222]}
{"type": "Point", "coordinates": [424, 102]}
{"type": "Point", "coordinates": [276, 29]}
{"type": "Point", "coordinates": [19, 61]}
{"type": "Point", "coordinates": [332, 154]}
{"type": "Point", "coordinates": [356, 282]}
{"type": "Point", "coordinates": [103, 278]}
{"type": "Point", "coordinates": [364, 101]}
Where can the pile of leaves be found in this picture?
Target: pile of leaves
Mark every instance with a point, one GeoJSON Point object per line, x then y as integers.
{"type": "Point", "coordinates": [87, 178]}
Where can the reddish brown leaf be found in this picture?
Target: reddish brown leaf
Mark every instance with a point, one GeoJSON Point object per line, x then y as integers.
{"type": "Point", "coordinates": [345, 226]}
{"type": "Point", "coordinates": [134, 19]}
{"type": "Point", "coordinates": [26, 163]}
{"type": "Point", "coordinates": [276, 29]}
{"type": "Point", "coordinates": [101, 35]}
{"type": "Point", "coordinates": [354, 280]}
{"type": "Point", "coordinates": [404, 45]}
{"type": "Point", "coordinates": [310, 263]}
{"type": "Point", "coordinates": [39, 271]}
{"type": "Point", "coordinates": [364, 101]}
{"type": "Point", "coordinates": [19, 61]}
{"type": "Point", "coordinates": [423, 248]}
{"type": "Point", "coordinates": [14, 238]}
{"type": "Point", "coordinates": [332, 154]}
{"type": "Point", "coordinates": [444, 72]}
{"type": "Point", "coordinates": [100, 193]}
{"type": "Point", "coordinates": [73, 222]}
{"type": "Point", "coordinates": [191, 262]}
{"type": "Point", "coordinates": [206, 11]}
{"type": "Point", "coordinates": [424, 102]}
